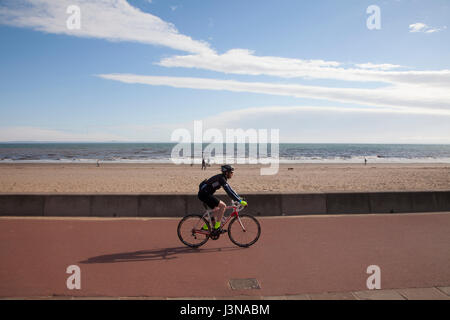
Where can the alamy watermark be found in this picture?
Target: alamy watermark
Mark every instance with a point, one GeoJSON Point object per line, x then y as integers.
{"type": "Point", "coordinates": [241, 147]}
{"type": "Point", "coordinates": [374, 20]}
{"type": "Point", "coordinates": [74, 280]}
{"type": "Point", "coordinates": [374, 280]}
{"type": "Point", "coordinates": [73, 22]}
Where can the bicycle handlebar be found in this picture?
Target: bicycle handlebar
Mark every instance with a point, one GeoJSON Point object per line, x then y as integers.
{"type": "Point", "coordinates": [237, 204]}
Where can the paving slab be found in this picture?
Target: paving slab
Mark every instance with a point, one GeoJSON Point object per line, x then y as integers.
{"type": "Point", "coordinates": [274, 298]}
{"type": "Point", "coordinates": [192, 298]}
{"type": "Point", "coordinates": [242, 297]}
{"type": "Point", "coordinates": [446, 290]}
{"type": "Point", "coordinates": [333, 296]}
{"type": "Point", "coordinates": [95, 298]}
{"type": "Point", "coordinates": [298, 297]}
{"type": "Point", "coordinates": [378, 295]}
{"type": "Point", "coordinates": [142, 298]}
{"type": "Point", "coordinates": [423, 294]}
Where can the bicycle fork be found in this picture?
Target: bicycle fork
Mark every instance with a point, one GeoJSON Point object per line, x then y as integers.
{"type": "Point", "coordinates": [242, 226]}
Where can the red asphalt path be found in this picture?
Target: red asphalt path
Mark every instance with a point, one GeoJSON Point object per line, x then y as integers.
{"type": "Point", "coordinates": [143, 257]}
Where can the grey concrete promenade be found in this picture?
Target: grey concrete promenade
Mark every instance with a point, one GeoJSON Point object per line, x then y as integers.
{"type": "Point", "coordinates": [178, 205]}
{"type": "Point", "coordinates": [433, 293]}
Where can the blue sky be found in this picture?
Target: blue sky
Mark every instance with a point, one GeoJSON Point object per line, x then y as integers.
{"type": "Point", "coordinates": [137, 70]}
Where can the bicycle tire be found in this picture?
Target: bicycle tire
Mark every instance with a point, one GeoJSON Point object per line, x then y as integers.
{"type": "Point", "coordinates": [197, 221]}
{"type": "Point", "coordinates": [251, 222]}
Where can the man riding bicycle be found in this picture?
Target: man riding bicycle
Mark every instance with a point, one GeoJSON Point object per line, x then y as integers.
{"type": "Point", "coordinates": [208, 187]}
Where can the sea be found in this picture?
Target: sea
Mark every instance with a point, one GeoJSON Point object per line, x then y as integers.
{"type": "Point", "coordinates": [244, 153]}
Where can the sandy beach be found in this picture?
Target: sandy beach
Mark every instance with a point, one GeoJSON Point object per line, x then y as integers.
{"type": "Point", "coordinates": [167, 178]}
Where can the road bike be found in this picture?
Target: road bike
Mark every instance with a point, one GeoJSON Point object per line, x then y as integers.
{"type": "Point", "coordinates": [244, 230]}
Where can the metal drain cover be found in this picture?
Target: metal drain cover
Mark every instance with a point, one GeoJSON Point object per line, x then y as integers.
{"type": "Point", "coordinates": [243, 284]}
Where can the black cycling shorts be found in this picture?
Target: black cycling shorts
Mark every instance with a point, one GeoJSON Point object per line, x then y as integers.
{"type": "Point", "coordinates": [209, 199]}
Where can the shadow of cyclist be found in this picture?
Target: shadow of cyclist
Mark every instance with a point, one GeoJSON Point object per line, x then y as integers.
{"type": "Point", "coordinates": [148, 255]}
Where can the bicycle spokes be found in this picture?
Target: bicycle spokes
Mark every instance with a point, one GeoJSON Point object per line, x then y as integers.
{"type": "Point", "coordinates": [244, 230]}
{"type": "Point", "coordinates": [191, 232]}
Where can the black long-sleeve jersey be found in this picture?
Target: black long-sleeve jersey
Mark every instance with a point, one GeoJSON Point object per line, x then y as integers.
{"type": "Point", "coordinates": [214, 183]}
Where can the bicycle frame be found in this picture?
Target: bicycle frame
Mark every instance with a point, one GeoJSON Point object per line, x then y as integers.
{"type": "Point", "coordinates": [236, 208]}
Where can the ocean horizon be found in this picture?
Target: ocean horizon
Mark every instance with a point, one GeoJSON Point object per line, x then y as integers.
{"type": "Point", "coordinates": [161, 152]}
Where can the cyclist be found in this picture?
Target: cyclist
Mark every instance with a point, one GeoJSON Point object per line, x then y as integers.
{"type": "Point", "coordinates": [211, 185]}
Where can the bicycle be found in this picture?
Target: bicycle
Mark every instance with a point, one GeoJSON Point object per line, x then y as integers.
{"type": "Point", "coordinates": [191, 230]}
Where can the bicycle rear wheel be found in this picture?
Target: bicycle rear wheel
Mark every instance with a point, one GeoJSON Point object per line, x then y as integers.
{"type": "Point", "coordinates": [244, 230]}
{"type": "Point", "coordinates": [190, 230]}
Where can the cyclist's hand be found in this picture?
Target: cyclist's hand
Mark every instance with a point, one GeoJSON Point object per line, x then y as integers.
{"type": "Point", "coordinates": [244, 203]}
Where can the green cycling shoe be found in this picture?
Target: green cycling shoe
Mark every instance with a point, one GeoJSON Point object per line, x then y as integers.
{"type": "Point", "coordinates": [216, 226]}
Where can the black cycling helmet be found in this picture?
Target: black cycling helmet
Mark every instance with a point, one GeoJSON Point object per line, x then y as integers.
{"type": "Point", "coordinates": [227, 168]}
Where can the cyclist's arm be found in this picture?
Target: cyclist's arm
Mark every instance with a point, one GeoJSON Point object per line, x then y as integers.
{"type": "Point", "coordinates": [231, 193]}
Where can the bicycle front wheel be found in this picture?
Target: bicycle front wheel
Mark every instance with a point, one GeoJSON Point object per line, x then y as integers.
{"type": "Point", "coordinates": [191, 232]}
{"type": "Point", "coordinates": [244, 230]}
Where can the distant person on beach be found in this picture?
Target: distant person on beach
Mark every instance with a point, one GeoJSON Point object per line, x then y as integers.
{"type": "Point", "coordinates": [98, 163]}
{"type": "Point", "coordinates": [207, 188]}
{"type": "Point", "coordinates": [203, 164]}
{"type": "Point", "coordinates": [365, 161]}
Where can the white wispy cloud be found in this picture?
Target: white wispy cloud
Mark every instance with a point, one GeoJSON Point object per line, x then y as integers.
{"type": "Point", "coordinates": [241, 61]}
{"type": "Point", "coordinates": [422, 27]}
{"type": "Point", "coordinates": [382, 66]}
{"type": "Point", "coordinates": [406, 96]}
{"type": "Point", "coordinates": [114, 20]}
{"type": "Point", "coordinates": [417, 27]}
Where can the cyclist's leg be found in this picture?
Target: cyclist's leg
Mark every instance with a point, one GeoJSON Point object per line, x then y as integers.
{"type": "Point", "coordinates": [219, 211]}
{"type": "Point", "coordinates": [212, 202]}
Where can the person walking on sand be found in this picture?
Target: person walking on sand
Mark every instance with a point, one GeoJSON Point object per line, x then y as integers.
{"type": "Point", "coordinates": [203, 164]}
{"type": "Point", "coordinates": [365, 161]}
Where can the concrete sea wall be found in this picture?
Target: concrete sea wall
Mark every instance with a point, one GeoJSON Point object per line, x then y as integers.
{"type": "Point", "coordinates": [178, 205]}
